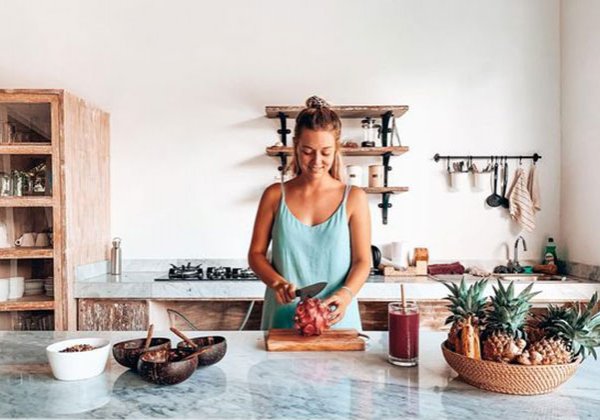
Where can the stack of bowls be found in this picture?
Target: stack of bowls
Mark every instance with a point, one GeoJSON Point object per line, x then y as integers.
{"type": "Point", "coordinates": [34, 287]}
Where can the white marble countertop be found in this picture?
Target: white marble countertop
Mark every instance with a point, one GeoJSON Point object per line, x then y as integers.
{"type": "Point", "coordinates": [141, 285]}
{"type": "Point", "coordinates": [252, 383]}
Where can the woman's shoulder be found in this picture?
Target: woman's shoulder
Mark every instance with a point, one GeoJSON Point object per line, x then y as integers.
{"type": "Point", "coordinates": [356, 193]}
{"type": "Point", "coordinates": [271, 197]}
{"type": "Point", "coordinates": [272, 192]}
{"type": "Point", "coordinates": [357, 198]}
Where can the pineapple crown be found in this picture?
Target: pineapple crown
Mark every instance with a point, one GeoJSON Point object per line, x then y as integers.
{"type": "Point", "coordinates": [466, 302]}
{"type": "Point", "coordinates": [547, 321]}
{"type": "Point", "coordinates": [509, 312]}
{"type": "Point", "coordinates": [580, 329]}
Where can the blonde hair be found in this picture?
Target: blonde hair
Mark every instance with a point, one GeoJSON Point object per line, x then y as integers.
{"type": "Point", "coordinates": [319, 116]}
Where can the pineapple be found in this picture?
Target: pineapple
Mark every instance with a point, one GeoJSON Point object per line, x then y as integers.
{"type": "Point", "coordinates": [537, 328]}
{"type": "Point", "coordinates": [467, 307]}
{"type": "Point", "coordinates": [505, 338]}
{"type": "Point", "coordinates": [569, 333]}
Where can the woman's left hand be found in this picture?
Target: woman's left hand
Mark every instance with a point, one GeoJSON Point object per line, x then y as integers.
{"type": "Point", "coordinates": [340, 299]}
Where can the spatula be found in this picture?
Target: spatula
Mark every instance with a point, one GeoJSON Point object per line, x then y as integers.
{"type": "Point", "coordinates": [505, 203]}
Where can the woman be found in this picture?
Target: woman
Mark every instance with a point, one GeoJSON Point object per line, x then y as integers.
{"type": "Point", "coordinates": [320, 228]}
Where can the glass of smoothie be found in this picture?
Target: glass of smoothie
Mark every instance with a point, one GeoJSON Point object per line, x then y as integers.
{"type": "Point", "coordinates": [403, 325]}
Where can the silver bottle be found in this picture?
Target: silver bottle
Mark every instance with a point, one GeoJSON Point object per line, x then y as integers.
{"type": "Point", "coordinates": [115, 257]}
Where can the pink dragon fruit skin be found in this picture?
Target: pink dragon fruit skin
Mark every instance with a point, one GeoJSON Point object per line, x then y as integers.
{"type": "Point", "coordinates": [311, 318]}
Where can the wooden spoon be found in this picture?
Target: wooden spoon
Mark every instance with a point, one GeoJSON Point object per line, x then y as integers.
{"type": "Point", "coordinates": [149, 337]}
{"type": "Point", "coordinates": [184, 337]}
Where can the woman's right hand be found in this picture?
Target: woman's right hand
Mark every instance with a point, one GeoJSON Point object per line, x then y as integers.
{"type": "Point", "coordinates": [285, 292]}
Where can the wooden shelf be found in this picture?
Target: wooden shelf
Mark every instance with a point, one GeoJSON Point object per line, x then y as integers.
{"type": "Point", "coordinates": [28, 303]}
{"type": "Point", "coordinates": [385, 190]}
{"type": "Point", "coordinates": [346, 151]}
{"type": "Point", "coordinates": [26, 149]}
{"type": "Point", "coordinates": [28, 252]}
{"type": "Point", "coordinates": [29, 201]}
{"type": "Point", "coordinates": [345, 111]}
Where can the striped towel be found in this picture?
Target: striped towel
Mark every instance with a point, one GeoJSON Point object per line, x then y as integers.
{"type": "Point", "coordinates": [521, 206]}
{"type": "Point", "coordinates": [533, 187]}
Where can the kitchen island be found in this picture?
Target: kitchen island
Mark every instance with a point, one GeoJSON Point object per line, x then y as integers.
{"type": "Point", "coordinates": [252, 383]}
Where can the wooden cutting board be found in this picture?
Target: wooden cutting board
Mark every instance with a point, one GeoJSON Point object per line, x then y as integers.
{"type": "Point", "coordinates": [330, 340]}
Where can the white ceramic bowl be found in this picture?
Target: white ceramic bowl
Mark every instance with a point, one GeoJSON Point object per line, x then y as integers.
{"type": "Point", "coordinates": [78, 365]}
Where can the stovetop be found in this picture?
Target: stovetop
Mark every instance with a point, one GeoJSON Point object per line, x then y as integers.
{"type": "Point", "coordinates": [191, 272]}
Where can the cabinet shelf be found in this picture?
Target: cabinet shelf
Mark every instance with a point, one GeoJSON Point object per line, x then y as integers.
{"type": "Point", "coordinates": [344, 111]}
{"type": "Point", "coordinates": [26, 149]}
{"type": "Point", "coordinates": [29, 201]}
{"type": "Point", "coordinates": [29, 252]}
{"type": "Point", "coordinates": [28, 303]}
{"type": "Point", "coordinates": [346, 151]}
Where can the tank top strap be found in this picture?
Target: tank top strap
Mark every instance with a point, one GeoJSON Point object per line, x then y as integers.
{"type": "Point", "coordinates": [346, 192]}
{"type": "Point", "coordinates": [282, 189]}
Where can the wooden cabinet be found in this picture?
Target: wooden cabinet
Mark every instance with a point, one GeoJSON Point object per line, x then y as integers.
{"type": "Point", "coordinates": [54, 153]}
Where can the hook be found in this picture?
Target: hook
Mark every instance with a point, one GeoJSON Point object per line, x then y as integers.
{"type": "Point", "coordinates": [448, 164]}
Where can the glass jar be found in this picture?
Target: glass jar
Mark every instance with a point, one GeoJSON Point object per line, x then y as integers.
{"type": "Point", "coordinates": [403, 327]}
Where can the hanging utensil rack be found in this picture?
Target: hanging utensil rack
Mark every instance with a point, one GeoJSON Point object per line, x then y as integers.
{"type": "Point", "coordinates": [535, 157]}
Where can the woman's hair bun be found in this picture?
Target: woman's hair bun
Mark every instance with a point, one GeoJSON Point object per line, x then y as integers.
{"type": "Point", "coordinates": [316, 102]}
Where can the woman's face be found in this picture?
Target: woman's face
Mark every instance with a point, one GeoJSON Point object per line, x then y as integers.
{"type": "Point", "coordinates": [316, 152]}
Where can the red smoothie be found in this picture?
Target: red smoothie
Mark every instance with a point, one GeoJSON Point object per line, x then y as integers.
{"type": "Point", "coordinates": [403, 333]}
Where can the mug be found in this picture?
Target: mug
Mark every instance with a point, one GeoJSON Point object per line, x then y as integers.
{"type": "Point", "coordinates": [42, 239]}
{"type": "Point", "coordinates": [459, 181]}
{"type": "Point", "coordinates": [4, 288]}
{"type": "Point", "coordinates": [3, 236]}
{"type": "Point", "coordinates": [16, 287]}
{"type": "Point", "coordinates": [481, 181]}
{"type": "Point", "coordinates": [26, 239]}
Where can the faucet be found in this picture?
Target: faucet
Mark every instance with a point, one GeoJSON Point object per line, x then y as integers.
{"type": "Point", "coordinates": [516, 267]}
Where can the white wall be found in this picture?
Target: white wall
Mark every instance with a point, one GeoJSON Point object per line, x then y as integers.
{"type": "Point", "coordinates": [186, 83]}
{"type": "Point", "coordinates": [580, 199]}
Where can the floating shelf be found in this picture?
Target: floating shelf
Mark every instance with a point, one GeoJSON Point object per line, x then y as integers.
{"type": "Point", "coordinates": [387, 113]}
{"type": "Point", "coordinates": [28, 252]}
{"type": "Point", "coordinates": [28, 303]}
{"type": "Point", "coordinates": [344, 111]}
{"type": "Point", "coordinates": [29, 201]}
{"type": "Point", "coordinates": [385, 190]}
{"type": "Point", "coordinates": [346, 151]}
{"type": "Point", "coordinates": [26, 149]}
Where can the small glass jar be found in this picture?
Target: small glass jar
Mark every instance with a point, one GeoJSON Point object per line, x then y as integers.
{"type": "Point", "coordinates": [403, 326]}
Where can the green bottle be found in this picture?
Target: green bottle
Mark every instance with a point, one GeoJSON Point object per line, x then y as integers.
{"type": "Point", "coordinates": [550, 252]}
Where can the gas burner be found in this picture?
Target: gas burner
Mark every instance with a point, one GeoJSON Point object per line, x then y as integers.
{"type": "Point", "coordinates": [186, 271]}
{"type": "Point", "coordinates": [218, 273]}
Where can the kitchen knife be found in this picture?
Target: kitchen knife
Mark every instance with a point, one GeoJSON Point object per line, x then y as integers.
{"type": "Point", "coordinates": [310, 291]}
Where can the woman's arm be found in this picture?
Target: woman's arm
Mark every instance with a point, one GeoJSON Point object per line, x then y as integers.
{"type": "Point", "coordinates": [360, 243]}
{"type": "Point", "coordinates": [261, 237]}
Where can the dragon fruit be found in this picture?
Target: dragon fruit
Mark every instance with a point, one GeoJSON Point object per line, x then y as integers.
{"type": "Point", "coordinates": [311, 318]}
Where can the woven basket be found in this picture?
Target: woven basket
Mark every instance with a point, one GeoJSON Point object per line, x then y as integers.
{"type": "Point", "coordinates": [509, 379]}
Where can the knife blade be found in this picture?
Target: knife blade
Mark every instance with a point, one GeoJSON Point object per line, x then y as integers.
{"type": "Point", "coordinates": [310, 291]}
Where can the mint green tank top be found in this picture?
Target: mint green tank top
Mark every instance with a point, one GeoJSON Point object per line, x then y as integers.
{"type": "Point", "coordinates": [304, 255]}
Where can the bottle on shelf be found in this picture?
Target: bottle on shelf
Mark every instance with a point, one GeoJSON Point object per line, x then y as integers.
{"type": "Point", "coordinates": [115, 257]}
{"type": "Point", "coordinates": [550, 252]}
